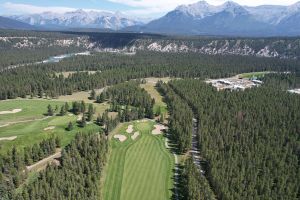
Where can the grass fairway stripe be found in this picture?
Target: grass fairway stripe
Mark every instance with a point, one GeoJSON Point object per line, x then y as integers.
{"type": "Point", "coordinates": [141, 169]}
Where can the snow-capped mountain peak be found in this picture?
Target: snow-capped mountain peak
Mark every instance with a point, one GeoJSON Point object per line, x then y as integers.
{"type": "Point", "coordinates": [232, 8]}
{"type": "Point", "coordinates": [203, 9]}
{"type": "Point", "coordinates": [80, 18]}
{"type": "Point", "coordinates": [229, 18]}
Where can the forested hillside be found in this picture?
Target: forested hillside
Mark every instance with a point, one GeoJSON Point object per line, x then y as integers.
{"type": "Point", "coordinates": [79, 174]}
{"type": "Point", "coordinates": [45, 44]}
{"type": "Point", "coordinates": [12, 165]}
{"type": "Point", "coordinates": [250, 140]}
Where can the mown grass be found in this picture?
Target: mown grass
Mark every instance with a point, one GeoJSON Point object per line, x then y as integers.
{"type": "Point", "coordinates": [253, 74]}
{"type": "Point", "coordinates": [140, 169]}
{"type": "Point", "coordinates": [29, 133]}
{"type": "Point", "coordinates": [31, 109]}
{"type": "Point", "coordinates": [159, 104]}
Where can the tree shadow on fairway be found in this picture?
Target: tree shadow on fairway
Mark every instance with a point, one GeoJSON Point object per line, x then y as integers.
{"type": "Point", "coordinates": [178, 189]}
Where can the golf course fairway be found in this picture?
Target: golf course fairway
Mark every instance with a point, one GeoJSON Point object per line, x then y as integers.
{"type": "Point", "coordinates": [139, 169]}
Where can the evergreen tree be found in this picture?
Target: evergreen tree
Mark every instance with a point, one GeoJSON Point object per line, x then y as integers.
{"type": "Point", "coordinates": [63, 110]}
{"type": "Point", "coordinates": [90, 112]}
{"type": "Point", "coordinates": [93, 95]}
{"type": "Point", "coordinates": [82, 123]}
{"type": "Point", "coordinates": [50, 111]}
{"type": "Point", "coordinates": [70, 126]}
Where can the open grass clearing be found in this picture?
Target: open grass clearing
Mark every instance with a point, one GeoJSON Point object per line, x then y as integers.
{"type": "Point", "coordinates": [67, 74]}
{"type": "Point", "coordinates": [154, 80]}
{"type": "Point", "coordinates": [31, 109]}
{"type": "Point", "coordinates": [31, 126]}
{"type": "Point", "coordinates": [80, 96]}
{"type": "Point", "coordinates": [253, 74]}
{"type": "Point", "coordinates": [140, 168]}
{"type": "Point", "coordinates": [159, 106]}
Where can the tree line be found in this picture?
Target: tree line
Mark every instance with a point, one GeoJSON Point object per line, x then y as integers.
{"type": "Point", "coordinates": [44, 80]}
{"type": "Point", "coordinates": [250, 139]}
{"type": "Point", "coordinates": [180, 119]}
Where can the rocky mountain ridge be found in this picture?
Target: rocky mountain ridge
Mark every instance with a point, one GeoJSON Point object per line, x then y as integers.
{"type": "Point", "coordinates": [229, 18]}
{"type": "Point", "coordinates": [265, 47]}
{"type": "Point", "coordinates": [79, 19]}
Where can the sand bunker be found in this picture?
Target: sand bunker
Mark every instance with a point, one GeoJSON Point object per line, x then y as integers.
{"type": "Point", "coordinates": [135, 135]}
{"type": "Point", "coordinates": [121, 138]}
{"type": "Point", "coordinates": [4, 125]}
{"type": "Point", "coordinates": [10, 112]}
{"type": "Point", "coordinates": [70, 114]}
{"type": "Point", "coordinates": [49, 128]}
{"type": "Point", "coordinates": [129, 129]}
{"type": "Point", "coordinates": [79, 118]}
{"type": "Point", "coordinates": [158, 129]}
{"type": "Point", "coordinates": [8, 138]}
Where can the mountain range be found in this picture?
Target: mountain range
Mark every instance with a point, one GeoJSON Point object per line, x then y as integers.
{"type": "Point", "coordinates": [6, 23]}
{"type": "Point", "coordinates": [229, 18]}
{"type": "Point", "coordinates": [79, 19]}
{"type": "Point", "coordinates": [199, 18]}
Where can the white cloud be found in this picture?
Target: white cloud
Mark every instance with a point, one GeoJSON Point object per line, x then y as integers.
{"type": "Point", "coordinates": [17, 8]}
{"type": "Point", "coordinates": [26, 8]}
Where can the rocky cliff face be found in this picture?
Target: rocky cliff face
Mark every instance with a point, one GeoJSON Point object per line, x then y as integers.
{"type": "Point", "coordinates": [270, 47]}
{"type": "Point", "coordinates": [278, 48]}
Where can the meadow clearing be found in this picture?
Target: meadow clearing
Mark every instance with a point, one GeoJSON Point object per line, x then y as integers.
{"type": "Point", "coordinates": [159, 106]}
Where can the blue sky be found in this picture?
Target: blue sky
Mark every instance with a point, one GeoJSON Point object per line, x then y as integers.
{"type": "Point", "coordinates": [136, 8]}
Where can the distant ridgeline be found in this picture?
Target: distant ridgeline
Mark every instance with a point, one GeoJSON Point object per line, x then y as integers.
{"type": "Point", "coordinates": [28, 46]}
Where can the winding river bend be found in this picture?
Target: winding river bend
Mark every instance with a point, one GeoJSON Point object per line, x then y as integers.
{"type": "Point", "coordinates": [52, 59]}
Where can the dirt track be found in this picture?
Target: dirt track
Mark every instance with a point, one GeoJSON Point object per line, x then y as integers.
{"type": "Point", "coordinates": [43, 163]}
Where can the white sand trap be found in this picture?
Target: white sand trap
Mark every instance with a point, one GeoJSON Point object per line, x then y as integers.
{"type": "Point", "coordinates": [70, 114]}
{"type": "Point", "coordinates": [135, 135]}
{"type": "Point", "coordinates": [79, 118]}
{"type": "Point", "coordinates": [8, 138]}
{"type": "Point", "coordinates": [121, 138]}
{"type": "Point", "coordinates": [49, 128]}
{"type": "Point", "coordinates": [158, 129]}
{"type": "Point", "coordinates": [129, 129]}
{"type": "Point", "coordinates": [10, 112]}
{"type": "Point", "coordinates": [4, 125]}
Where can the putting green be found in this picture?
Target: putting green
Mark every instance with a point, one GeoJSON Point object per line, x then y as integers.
{"type": "Point", "coordinates": [140, 169]}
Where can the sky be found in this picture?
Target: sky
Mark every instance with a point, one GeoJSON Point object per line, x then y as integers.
{"type": "Point", "coordinates": [134, 8]}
